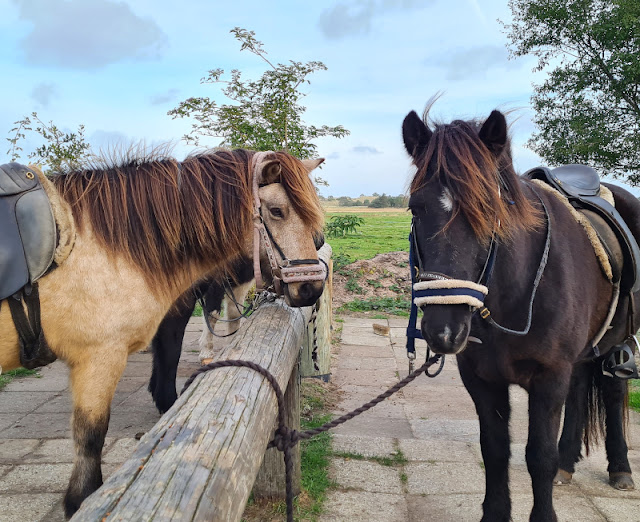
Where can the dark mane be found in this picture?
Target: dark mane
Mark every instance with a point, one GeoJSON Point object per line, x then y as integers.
{"type": "Point", "coordinates": [485, 189]}
{"type": "Point", "coordinates": [159, 214]}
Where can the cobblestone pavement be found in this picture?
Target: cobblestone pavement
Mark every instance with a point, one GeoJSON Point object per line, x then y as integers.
{"type": "Point", "coordinates": [433, 423]}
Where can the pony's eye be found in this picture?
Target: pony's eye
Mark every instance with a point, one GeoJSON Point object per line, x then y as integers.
{"type": "Point", "coordinates": [276, 212]}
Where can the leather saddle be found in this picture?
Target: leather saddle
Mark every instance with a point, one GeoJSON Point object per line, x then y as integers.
{"type": "Point", "coordinates": [581, 185]}
{"type": "Point", "coordinates": [28, 234]}
{"type": "Point", "coordinates": [28, 240]}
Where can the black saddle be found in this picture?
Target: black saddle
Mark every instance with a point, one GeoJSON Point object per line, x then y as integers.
{"type": "Point", "coordinates": [28, 229]}
{"type": "Point", "coordinates": [581, 185]}
{"type": "Point", "coordinates": [28, 239]}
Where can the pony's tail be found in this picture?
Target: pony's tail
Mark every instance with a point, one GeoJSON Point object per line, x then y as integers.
{"type": "Point", "coordinates": [595, 422]}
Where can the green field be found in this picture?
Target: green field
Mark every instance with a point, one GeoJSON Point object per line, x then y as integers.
{"type": "Point", "coordinates": [382, 232]}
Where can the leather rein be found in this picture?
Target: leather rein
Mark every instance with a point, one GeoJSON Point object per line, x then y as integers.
{"type": "Point", "coordinates": [288, 270]}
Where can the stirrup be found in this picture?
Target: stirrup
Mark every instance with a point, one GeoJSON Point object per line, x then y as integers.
{"type": "Point", "coordinates": [620, 361]}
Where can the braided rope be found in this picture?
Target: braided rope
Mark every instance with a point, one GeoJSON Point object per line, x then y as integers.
{"type": "Point", "coordinates": [285, 438]}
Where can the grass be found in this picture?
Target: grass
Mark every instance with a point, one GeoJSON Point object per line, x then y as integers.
{"type": "Point", "coordinates": [391, 305]}
{"type": "Point", "coordinates": [397, 458]}
{"type": "Point", "coordinates": [634, 395]}
{"type": "Point", "coordinates": [7, 377]}
{"type": "Point", "coordinates": [386, 231]}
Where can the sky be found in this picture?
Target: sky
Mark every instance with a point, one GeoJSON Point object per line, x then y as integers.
{"type": "Point", "coordinates": [118, 67]}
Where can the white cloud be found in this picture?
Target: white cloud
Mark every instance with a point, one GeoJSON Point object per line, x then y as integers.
{"type": "Point", "coordinates": [86, 34]}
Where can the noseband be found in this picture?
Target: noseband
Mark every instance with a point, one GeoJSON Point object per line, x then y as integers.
{"type": "Point", "coordinates": [289, 270]}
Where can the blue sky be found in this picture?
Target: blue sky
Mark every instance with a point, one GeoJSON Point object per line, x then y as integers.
{"type": "Point", "coordinates": [118, 67]}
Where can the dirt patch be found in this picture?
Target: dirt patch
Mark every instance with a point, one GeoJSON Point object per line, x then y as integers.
{"type": "Point", "coordinates": [385, 275]}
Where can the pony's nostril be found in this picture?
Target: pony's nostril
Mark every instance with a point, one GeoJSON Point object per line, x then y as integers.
{"type": "Point", "coordinates": [306, 291]}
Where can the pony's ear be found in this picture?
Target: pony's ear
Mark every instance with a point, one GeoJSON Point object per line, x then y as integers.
{"type": "Point", "coordinates": [416, 134]}
{"type": "Point", "coordinates": [494, 132]}
{"type": "Point", "coordinates": [310, 164]}
{"type": "Point", "coordinates": [271, 173]}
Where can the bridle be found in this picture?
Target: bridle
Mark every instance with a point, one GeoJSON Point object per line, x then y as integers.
{"type": "Point", "coordinates": [436, 288]}
{"type": "Point", "coordinates": [288, 270]}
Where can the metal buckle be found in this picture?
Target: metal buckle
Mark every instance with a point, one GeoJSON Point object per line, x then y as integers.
{"type": "Point", "coordinates": [412, 364]}
{"type": "Point", "coordinates": [484, 313]}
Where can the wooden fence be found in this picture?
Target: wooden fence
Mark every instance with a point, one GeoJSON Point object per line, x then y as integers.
{"type": "Point", "coordinates": [200, 461]}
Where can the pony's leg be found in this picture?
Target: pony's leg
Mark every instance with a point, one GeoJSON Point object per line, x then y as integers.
{"type": "Point", "coordinates": [231, 310]}
{"type": "Point", "coordinates": [614, 392]}
{"type": "Point", "coordinates": [167, 346]}
{"type": "Point", "coordinates": [575, 421]}
{"type": "Point", "coordinates": [547, 393]}
{"type": "Point", "coordinates": [93, 383]}
{"type": "Point", "coordinates": [492, 405]}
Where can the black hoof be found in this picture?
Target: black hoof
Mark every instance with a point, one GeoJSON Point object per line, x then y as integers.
{"type": "Point", "coordinates": [621, 480]}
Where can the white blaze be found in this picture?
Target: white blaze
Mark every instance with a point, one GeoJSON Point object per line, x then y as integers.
{"type": "Point", "coordinates": [446, 201]}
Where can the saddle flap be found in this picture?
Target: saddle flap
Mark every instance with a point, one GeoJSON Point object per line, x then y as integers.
{"type": "Point", "coordinates": [37, 228]}
{"type": "Point", "coordinates": [16, 178]}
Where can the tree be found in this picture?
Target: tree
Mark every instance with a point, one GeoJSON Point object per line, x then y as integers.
{"type": "Point", "coordinates": [61, 150]}
{"type": "Point", "coordinates": [264, 114]}
{"type": "Point", "coordinates": [588, 108]}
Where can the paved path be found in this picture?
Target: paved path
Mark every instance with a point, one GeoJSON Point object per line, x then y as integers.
{"type": "Point", "coordinates": [434, 424]}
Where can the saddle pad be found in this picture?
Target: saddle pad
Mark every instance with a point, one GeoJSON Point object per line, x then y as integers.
{"type": "Point", "coordinates": [599, 249]}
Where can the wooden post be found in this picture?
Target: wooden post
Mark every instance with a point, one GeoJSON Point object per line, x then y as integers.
{"type": "Point", "coordinates": [323, 331]}
{"type": "Point", "coordinates": [270, 482]}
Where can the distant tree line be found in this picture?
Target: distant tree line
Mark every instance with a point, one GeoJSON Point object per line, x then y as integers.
{"type": "Point", "coordinates": [377, 201]}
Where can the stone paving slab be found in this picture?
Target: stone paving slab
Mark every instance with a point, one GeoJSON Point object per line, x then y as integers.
{"type": "Point", "coordinates": [365, 475]}
{"type": "Point", "coordinates": [366, 446]}
{"type": "Point", "coordinates": [364, 506]}
{"type": "Point", "coordinates": [13, 507]}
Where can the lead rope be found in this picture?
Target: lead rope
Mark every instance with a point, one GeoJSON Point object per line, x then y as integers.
{"type": "Point", "coordinates": [286, 438]}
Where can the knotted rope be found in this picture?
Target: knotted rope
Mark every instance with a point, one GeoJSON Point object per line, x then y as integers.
{"type": "Point", "coordinates": [286, 438]}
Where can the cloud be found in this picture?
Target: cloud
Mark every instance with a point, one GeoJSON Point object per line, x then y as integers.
{"type": "Point", "coordinates": [348, 18]}
{"type": "Point", "coordinates": [460, 65]}
{"type": "Point", "coordinates": [170, 95]}
{"type": "Point", "coordinates": [361, 149]}
{"type": "Point", "coordinates": [109, 142]}
{"type": "Point", "coordinates": [333, 155]}
{"type": "Point", "coordinates": [44, 92]}
{"type": "Point", "coordinates": [87, 34]}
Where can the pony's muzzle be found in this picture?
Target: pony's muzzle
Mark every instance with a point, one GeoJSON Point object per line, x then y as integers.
{"type": "Point", "coordinates": [446, 331]}
{"type": "Point", "coordinates": [304, 293]}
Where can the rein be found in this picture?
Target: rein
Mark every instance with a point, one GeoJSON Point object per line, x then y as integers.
{"type": "Point", "coordinates": [290, 270]}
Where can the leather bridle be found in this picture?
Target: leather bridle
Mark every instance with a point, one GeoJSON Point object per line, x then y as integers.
{"type": "Point", "coordinates": [288, 270]}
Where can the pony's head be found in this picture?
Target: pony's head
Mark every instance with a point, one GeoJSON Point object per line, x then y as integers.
{"type": "Point", "coordinates": [464, 197]}
{"type": "Point", "coordinates": [293, 219]}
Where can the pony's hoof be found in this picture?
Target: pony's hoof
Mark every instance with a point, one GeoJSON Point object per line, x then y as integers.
{"type": "Point", "coordinates": [621, 480]}
{"type": "Point", "coordinates": [562, 478]}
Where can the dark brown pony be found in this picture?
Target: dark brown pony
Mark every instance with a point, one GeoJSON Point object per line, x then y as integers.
{"type": "Point", "coordinates": [146, 230]}
{"type": "Point", "coordinates": [467, 202]}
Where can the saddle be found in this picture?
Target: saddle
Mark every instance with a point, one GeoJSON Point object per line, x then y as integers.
{"type": "Point", "coordinates": [28, 241]}
{"type": "Point", "coordinates": [581, 186]}
{"type": "Point", "coordinates": [28, 237]}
